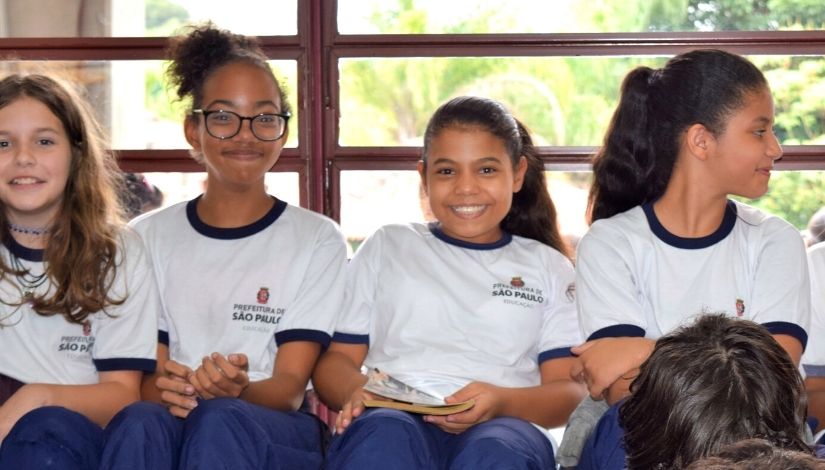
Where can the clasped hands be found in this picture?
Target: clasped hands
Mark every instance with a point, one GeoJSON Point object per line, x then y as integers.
{"type": "Point", "coordinates": [217, 376]}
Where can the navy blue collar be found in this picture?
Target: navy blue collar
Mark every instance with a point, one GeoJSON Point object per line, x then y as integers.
{"type": "Point", "coordinates": [728, 221]}
{"type": "Point", "coordinates": [233, 233]}
{"type": "Point", "coordinates": [22, 252]}
{"type": "Point", "coordinates": [435, 228]}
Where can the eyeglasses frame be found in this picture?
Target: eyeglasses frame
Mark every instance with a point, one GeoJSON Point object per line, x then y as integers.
{"type": "Point", "coordinates": [205, 113]}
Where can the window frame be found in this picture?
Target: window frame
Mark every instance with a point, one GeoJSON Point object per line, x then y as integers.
{"type": "Point", "coordinates": [318, 47]}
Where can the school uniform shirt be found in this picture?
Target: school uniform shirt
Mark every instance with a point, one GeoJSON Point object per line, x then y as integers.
{"type": "Point", "coordinates": [248, 289]}
{"type": "Point", "coordinates": [438, 313]}
{"type": "Point", "coordinates": [635, 278]}
{"type": "Point", "coordinates": [51, 350]}
{"type": "Point", "coordinates": [813, 360]}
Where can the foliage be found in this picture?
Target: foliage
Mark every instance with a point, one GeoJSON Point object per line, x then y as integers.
{"type": "Point", "coordinates": [164, 17]}
{"type": "Point", "coordinates": [794, 195]}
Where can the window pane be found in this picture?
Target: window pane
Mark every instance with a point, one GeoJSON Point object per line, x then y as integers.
{"type": "Point", "coordinates": [133, 102]}
{"type": "Point", "coordinates": [574, 16]}
{"type": "Point", "coordinates": [104, 18]}
{"type": "Point", "coordinates": [179, 187]}
{"type": "Point", "coordinates": [564, 101]}
{"type": "Point", "coordinates": [371, 199]}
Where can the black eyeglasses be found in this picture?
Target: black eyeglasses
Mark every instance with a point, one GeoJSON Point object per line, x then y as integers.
{"type": "Point", "coordinates": [222, 124]}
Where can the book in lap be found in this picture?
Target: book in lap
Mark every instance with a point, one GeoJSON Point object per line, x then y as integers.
{"type": "Point", "coordinates": [407, 398]}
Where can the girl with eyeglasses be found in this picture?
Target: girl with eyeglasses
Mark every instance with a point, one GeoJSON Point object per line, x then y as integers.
{"type": "Point", "coordinates": [250, 285]}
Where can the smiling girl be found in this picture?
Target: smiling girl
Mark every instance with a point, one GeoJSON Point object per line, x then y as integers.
{"type": "Point", "coordinates": [666, 242]}
{"type": "Point", "coordinates": [250, 285]}
{"type": "Point", "coordinates": [476, 306]}
{"type": "Point", "coordinates": [78, 303]}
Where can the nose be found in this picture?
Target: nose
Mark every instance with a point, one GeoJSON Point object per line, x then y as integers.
{"type": "Point", "coordinates": [24, 156]}
{"type": "Point", "coordinates": [245, 132]}
{"type": "Point", "coordinates": [466, 183]}
{"type": "Point", "coordinates": [774, 148]}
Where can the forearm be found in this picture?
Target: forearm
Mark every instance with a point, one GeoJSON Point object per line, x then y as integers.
{"type": "Point", "coordinates": [815, 387]}
{"type": "Point", "coordinates": [548, 405]}
{"type": "Point", "coordinates": [282, 392]}
{"type": "Point", "coordinates": [98, 402]}
{"type": "Point", "coordinates": [336, 378]}
{"type": "Point", "coordinates": [792, 346]}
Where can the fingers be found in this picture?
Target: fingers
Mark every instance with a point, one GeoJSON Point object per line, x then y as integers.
{"type": "Point", "coordinates": [172, 399]}
{"type": "Point", "coordinates": [582, 347]}
{"type": "Point", "coordinates": [240, 361]}
{"type": "Point", "coordinates": [179, 412]}
{"type": "Point", "coordinates": [176, 369]}
{"type": "Point", "coordinates": [233, 372]}
{"type": "Point", "coordinates": [218, 377]}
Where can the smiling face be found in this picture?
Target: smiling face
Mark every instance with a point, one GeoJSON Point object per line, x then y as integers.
{"type": "Point", "coordinates": [470, 180]}
{"type": "Point", "coordinates": [744, 154]}
{"type": "Point", "coordinates": [35, 158]}
{"type": "Point", "coordinates": [241, 161]}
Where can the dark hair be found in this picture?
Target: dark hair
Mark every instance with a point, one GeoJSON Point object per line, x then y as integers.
{"type": "Point", "coordinates": [717, 381]}
{"type": "Point", "coordinates": [81, 251]}
{"type": "Point", "coordinates": [195, 56]}
{"type": "Point", "coordinates": [642, 142]}
{"type": "Point", "coordinates": [816, 227]}
{"type": "Point", "coordinates": [532, 214]}
{"type": "Point", "coordinates": [758, 454]}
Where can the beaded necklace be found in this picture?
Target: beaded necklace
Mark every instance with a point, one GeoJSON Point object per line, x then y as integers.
{"type": "Point", "coordinates": [28, 230]}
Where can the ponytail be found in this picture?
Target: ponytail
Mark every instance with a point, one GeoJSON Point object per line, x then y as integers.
{"type": "Point", "coordinates": [533, 214]}
{"type": "Point", "coordinates": [643, 140]}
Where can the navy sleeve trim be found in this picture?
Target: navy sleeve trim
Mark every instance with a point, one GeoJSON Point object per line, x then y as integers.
{"type": "Point", "coordinates": [163, 337]}
{"type": "Point", "coordinates": [315, 336]}
{"type": "Point", "coordinates": [790, 329]}
{"type": "Point", "coordinates": [618, 331]}
{"type": "Point", "coordinates": [814, 371]}
{"type": "Point", "coordinates": [554, 354]}
{"type": "Point", "coordinates": [125, 363]}
{"type": "Point", "coordinates": [349, 338]}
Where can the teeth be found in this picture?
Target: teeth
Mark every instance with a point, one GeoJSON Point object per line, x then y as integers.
{"type": "Point", "coordinates": [467, 209]}
{"type": "Point", "coordinates": [24, 181]}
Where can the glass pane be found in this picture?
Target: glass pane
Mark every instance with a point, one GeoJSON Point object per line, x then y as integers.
{"type": "Point", "coordinates": [574, 16]}
{"type": "Point", "coordinates": [104, 18]}
{"type": "Point", "coordinates": [371, 199]}
{"type": "Point", "coordinates": [564, 101]}
{"type": "Point", "coordinates": [132, 100]}
{"type": "Point", "coordinates": [795, 196]}
{"type": "Point", "coordinates": [179, 187]}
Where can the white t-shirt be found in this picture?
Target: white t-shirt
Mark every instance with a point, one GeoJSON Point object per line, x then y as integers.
{"type": "Point", "coordinates": [40, 349]}
{"type": "Point", "coordinates": [814, 358]}
{"type": "Point", "coordinates": [636, 279]}
{"type": "Point", "coordinates": [247, 289]}
{"type": "Point", "coordinates": [439, 313]}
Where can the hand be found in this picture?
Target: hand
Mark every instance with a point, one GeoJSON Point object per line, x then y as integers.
{"type": "Point", "coordinates": [353, 408]}
{"type": "Point", "coordinates": [27, 398]}
{"type": "Point", "coordinates": [488, 405]}
{"type": "Point", "coordinates": [175, 390]}
{"type": "Point", "coordinates": [604, 361]}
{"type": "Point", "coordinates": [220, 376]}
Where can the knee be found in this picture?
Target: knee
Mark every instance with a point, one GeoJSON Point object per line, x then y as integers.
{"type": "Point", "coordinates": [385, 421]}
{"type": "Point", "coordinates": [52, 421]}
{"type": "Point", "coordinates": [503, 440]}
{"type": "Point", "coordinates": [142, 417]}
{"type": "Point", "coordinates": [215, 415]}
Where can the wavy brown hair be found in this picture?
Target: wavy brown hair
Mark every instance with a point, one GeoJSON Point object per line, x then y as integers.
{"type": "Point", "coordinates": [82, 247]}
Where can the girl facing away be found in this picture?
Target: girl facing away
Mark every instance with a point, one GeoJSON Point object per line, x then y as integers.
{"type": "Point", "coordinates": [712, 383]}
{"type": "Point", "coordinates": [476, 306]}
{"type": "Point", "coordinates": [250, 286]}
{"type": "Point", "coordinates": [665, 238]}
{"type": "Point", "coordinates": [78, 302]}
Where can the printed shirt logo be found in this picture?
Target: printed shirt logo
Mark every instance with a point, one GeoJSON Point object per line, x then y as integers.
{"type": "Point", "coordinates": [517, 293]}
{"type": "Point", "coordinates": [740, 307]}
{"type": "Point", "coordinates": [263, 295]}
{"type": "Point", "coordinates": [87, 327]}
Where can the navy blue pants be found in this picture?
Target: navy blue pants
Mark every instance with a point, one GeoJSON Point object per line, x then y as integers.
{"type": "Point", "coordinates": [604, 449]}
{"type": "Point", "coordinates": [222, 433]}
{"type": "Point", "coordinates": [52, 437]}
{"type": "Point", "coordinates": [389, 439]}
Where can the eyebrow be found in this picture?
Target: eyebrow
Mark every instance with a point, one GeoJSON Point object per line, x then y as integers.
{"type": "Point", "coordinates": [480, 160]}
{"type": "Point", "coordinates": [37, 130]}
{"type": "Point", "coordinates": [762, 120]}
{"type": "Point", "coordinates": [258, 104]}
